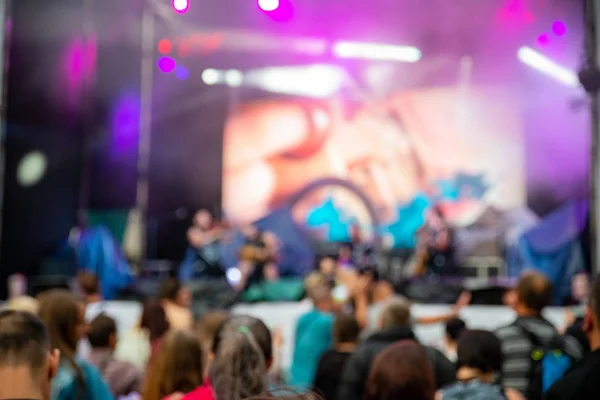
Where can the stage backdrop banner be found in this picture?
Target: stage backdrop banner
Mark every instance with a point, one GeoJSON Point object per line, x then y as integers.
{"type": "Point", "coordinates": [380, 165]}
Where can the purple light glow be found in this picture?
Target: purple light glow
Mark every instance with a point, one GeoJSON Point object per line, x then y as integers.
{"type": "Point", "coordinates": [543, 39]}
{"type": "Point", "coordinates": [182, 72]}
{"type": "Point", "coordinates": [125, 123]}
{"type": "Point", "coordinates": [166, 64]}
{"type": "Point", "coordinates": [559, 28]}
{"type": "Point", "coordinates": [268, 5]}
{"type": "Point", "coordinates": [181, 6]}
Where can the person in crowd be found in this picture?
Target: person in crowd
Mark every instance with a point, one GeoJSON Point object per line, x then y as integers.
{"type": "Point", "coordinates": [176, 300]}
{"type": "Point", "coordinates": [345, 337]}
{"type": "Point", "coordinates": [206, 330]}
{"type": "Point", "coordinates": [76, 379]}
{"type": "Point", "coordinates": [23, 303]}
{"type": "Point", "coordinates": [454, 328]}
{"type": "Point", "coordinates": [314, 334]}
{"type": "Point", "coordinates": [139, 345]}
{"type": "Point", "coordinates": [177, 369]}
{"type": "Point", "coordinates": [241, 355]}
{"type": "Point", "coordinates": [122, 377]}
{"type": "Point", "coordinates": [574, 315]}
{"type": "Point", "coordinates": [479, 363]}
{"type": "Point", "coordinates": [90, 289]}
{"type": "Point", "coordinates": [582, 382]}
{"type": "Point", "coordinates": [371, 295]}
{"type": "Point", "coordinates": [395, 325]}
{"type": "Point", "coordinates": [27, 361]}
{"type": "Point", "coordinates": [532, 295]}
{"type": "Point", "coordinates": [401, 371]}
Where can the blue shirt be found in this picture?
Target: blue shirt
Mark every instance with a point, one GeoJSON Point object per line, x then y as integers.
{"type": "Point", "coordinates": [64, 384]}
{"type": "Point", "coordinates": [314, 336]}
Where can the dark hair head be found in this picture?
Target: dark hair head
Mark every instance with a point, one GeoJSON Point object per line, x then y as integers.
{"type": "Point", "coordinates": [242, 351]}
{"type": "Point", "coordinates": [169, 289]}
{"type": "Point", "coordinates": [100, 331]}
{"type": "Point", "coordinates": [481, 350]}
{"type": "Point", "coordinates": [64, 317]}
{"type": "Point", "coordinates": [178, 366]}
{"type": "Point", "coordinates": [89, 283]}
{"type": "Point", "coordinates": [395, 314]}
{"type": "Point", "coordinates": [371, 272]}
{"type": "Point", "coordinates": [24, 340]}
{"type": "Point", "coordinates": [154, 319]}
{"type": "Point", "coordinates": [534, 291]}
{"type": "Point", "coordinates": [208, 326]}
{"type": "Point", "coordinates": [345, 329]}
{"type": "Point", "coordinates": [401, 371]}
{"type": "Point", "coordinates": [594, 299]}
{"type": "Point", "coordinates": [454, 327]}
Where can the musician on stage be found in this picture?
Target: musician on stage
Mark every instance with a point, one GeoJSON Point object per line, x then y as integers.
{"type": "Point", "coordinates": [258, 256]}
{"type": "Point", "coordinates": [203, 257]}
{"type": "Point", "coordinates": [434, 251]}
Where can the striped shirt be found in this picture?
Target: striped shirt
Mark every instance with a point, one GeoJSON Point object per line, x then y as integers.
{"type": "Point", "coordinates": [517, 349]}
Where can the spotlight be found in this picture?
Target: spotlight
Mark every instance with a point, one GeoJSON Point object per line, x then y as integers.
{"type": "Point", "coordinates": [268, 5]}
{"type": "Point", "coordinates": [181, 6]}
{"type": "Point", "coordinates": [211, 76]}
{"type": "Point", "coordinates": [374, 51]}
{"type": "Point", "coordinates": [165, 46]}
{"type": "Point", "coordinates": [166, 64]}
{"type": "Point", "coordinates": [559, 28]}
{"type": "Point", "coordinates": [31, 168]}
{"type": "Point", "coordinates": [234, 78]}
{"type": "Point", "coordinates": [543, 39]}
{"type": "Point", "coordinates": [545, 65]}
{"type": "Point", "coordinates": [182, 72]}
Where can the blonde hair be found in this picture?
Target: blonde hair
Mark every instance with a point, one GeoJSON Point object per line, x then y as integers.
{"type": "Point", "coordinates": [24, 304]}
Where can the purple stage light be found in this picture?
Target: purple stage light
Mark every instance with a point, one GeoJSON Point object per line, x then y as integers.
{"type": "Point", "coordinates": [268, 5]}
{"type": "Point", "coordinates": [543, 39]}
{"type": "Point", "coordinates": [166, 64]}
{"type": "Point", "coordinates": [181, 6]}
{"type": "Point", "coordinates": [559, 28]}
{"type": "Point", "coordinates": [182, 72]}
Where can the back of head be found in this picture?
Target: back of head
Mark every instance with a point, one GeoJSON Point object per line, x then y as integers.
{"type": "Point", "coordinates": [88, 282]}
{"type": "Point", "coordinates": [346, 329]}
{"type": "Point", "coordinates": [454, 328]}
{"type": "Point", "coordinates": [23, 303]}
{"type": "Point", "coordinates": [534, 291]}
{"type": "Point", "coordinates": [594, 301]}
{"type": "Point", "coordinates": [169, 289]}
{"type": "Point", "coordinates": [382, 291]}
{"type": "Point", "coordinates": [395, 314]}
{"type": "Point", "coordinates": [321, 296]}
{"type": "Point", "coordinates": [154, 319]}
{"type": "Point", "coordinates": [480, 350]}
{"type": "Point", "coordinates": [102, 332]}
{"type": "Point", "coordinates": [63, 315]}
{"type": "Point", "coordinates": [207, 327]}
{"type": "Point", "coordinates": [178, 366]}
{"type": "Point", "coordinates": [24, 341]}
{"type": "Point", "coordinates": [401, 371]}
{"type": "Point", "coordinates": [242, 352]}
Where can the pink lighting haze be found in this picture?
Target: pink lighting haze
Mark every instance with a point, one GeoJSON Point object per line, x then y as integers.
{"type": "Point", "coordinates": [268, 5]}
{"type": "Point", "coordinates": [181, 6]}
{"type": "Point", "coordinates": [559, 28]}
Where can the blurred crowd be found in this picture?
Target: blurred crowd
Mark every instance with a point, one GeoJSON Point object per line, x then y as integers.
{"type": "Point", "coordinates": [66, 345]}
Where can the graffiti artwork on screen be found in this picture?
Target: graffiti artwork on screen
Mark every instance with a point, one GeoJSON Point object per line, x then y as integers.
{"type": "Point", "coordinates": [380, 165]}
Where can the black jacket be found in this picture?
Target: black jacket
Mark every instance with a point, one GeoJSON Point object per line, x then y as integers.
{"type": "Point", "coordinates": [356, 371]}
{"type": "Point", "coordinates": [581, 382]}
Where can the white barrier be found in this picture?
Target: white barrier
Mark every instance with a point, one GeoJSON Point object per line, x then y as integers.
{"type": "Point", "coordinates": [284, 316]}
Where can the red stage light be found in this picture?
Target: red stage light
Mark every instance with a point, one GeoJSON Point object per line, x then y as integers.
{"type": "Point", "coordinates": [165, 46]}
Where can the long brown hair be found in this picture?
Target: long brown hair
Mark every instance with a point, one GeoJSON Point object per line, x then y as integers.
{"type": "Point", "coordinates": [178, 366]}
{"type": "Point", "coordinates": [401, 371]}
{"type": "Point", "coordinates": [242, 351]}
{"type": "Point", "coordinates": [62, 314]}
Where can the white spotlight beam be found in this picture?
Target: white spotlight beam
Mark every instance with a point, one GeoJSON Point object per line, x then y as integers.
{"type": "Point", "coordinates": [545, 65]}
{"type": "Point", "coordinates": [374, 51]}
